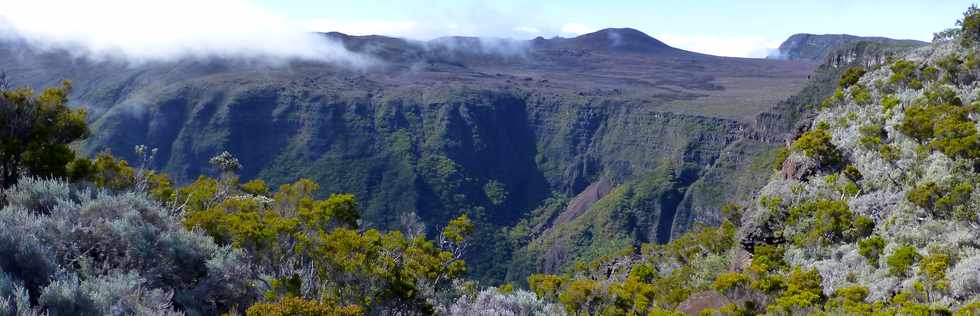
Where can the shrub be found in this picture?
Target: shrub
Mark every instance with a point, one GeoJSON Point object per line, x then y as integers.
{"type": "Point", "coordinates": [924, 195]}
{"type": "Point", "coordinates": [545, 286]}
{"type": "Point", "coordinates": [731, 284]}
{"type": "Point", "coordinates": [950, 64]}
{"type": "Point", "coordinates": [965, 277]}
{"type": "Point", "coordinates": [295, 306]}
{"type": "Point", "coordinates": [942, 202]}
{"type": "Point", "coordinates": [956, 197]}
{"type": "Point", "coordinates": [816, 144]}
{"type": "Point", "coordinates": [849, 300]}
{"type": "Point", "coordinates": [827, 222]}
{"type": "Point", "coordinates": [581, 297]}
{"type": "Point", "coordinates": [902, 260]}
{"type": "Point", "coordinates": [934, 268]}
{"type": "Point", "coordinates": [492, 301]}
{"type": "Point", "coordinates": [889, 152]}
{"type": "Point", "coordinates": [872, 248]}
{"type": "Point", "coordinates": [871, 136]}
{"type": "Point", "coordinates": [803, 293]}
{"type": "Point", "coordinates": [904, 73]}
{"type": "Point", "coordinates": [861, 95]}
{"type": "Point", "coordinates": [99, 238]}
{"type": "Point", "coordinates": [972, 309]}
{"type": "Point", "coordinates": [851, 76]}
{"type": "Point", "coordinates": [852, 173]}
{"type": "Point", "coordinates": [768, 258]}
{"type": "Point", "coordinates": [969, 26]}
{"type": "Point", "coordinates": [121, 294]}
{"type": "Point", "coordinates": [889, 102]}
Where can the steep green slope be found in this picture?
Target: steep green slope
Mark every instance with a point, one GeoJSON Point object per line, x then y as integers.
{"type": "Point", "coordinates": [880, 191]}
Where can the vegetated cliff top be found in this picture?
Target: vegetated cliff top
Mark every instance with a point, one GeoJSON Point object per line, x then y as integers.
{"type": "Point", "coordinates": [880, 192]}
{"type": "Point", "coordinates": [805, 46]}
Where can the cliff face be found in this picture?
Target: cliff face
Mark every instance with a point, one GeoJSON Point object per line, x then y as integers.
{"type": "Point", "coordinates": [438, 129]}
{"type": "Point", "coordinates": [817, 47]}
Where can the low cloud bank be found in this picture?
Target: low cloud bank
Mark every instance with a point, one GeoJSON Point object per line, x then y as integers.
{"type": "Point", "coordinates": [167, 30]}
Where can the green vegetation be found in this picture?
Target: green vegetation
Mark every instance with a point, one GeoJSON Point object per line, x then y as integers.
{"type": "Point", "coordinates": [872, 248]}
{"type": "Point", "coordinates": [781, 154]}
{"type": "Point", "coordinates": [902, 260]}
{"type": "Point", "coordinates": [828, 221]}
{"type": "Point", "coordinates": [904, 73]}
{"type": "Point", "coordinates": [36, 132]}
{"type": "Point", "coordinates": [941, 121]}
{"type": "Point", "coordinates": [947, 201]}
{"type": "Point", "coordinates": [816, 144]}
{"type": "Point", "coordinates": [969, 26]}
{"type": "Point", "coordinates": [861, 95]}
{"type": "Point", "coordinates": [851, 76]}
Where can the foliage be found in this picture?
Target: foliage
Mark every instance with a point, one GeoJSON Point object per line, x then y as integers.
{"type": "Point", "coordinates": [816, 144]}
{"type": "Point", "coordinates": [768, 258]}
{"type": "Point", "coordinates": [904, 73]}
{"type": "Point", "coordinates": [969, 26]}
{"type": "Point", "coordinates": [828, 221]}
{"type": "Point", "coordinates": [872, 136]}
{"type": "Point", "coordinates": [947, 201]}
{"type": "Point", "coordinates": [37, 130]}
{"type": "Point", "coordinates": [295, 306]}
{"type": "Point", "coordinates": [889, 103]}
{"type": "Point", "coordinates": [872, 248]}
{"type": "Point", "coordinates": [934, 266]}
{"type": "Point", "coordinates": [902, 260]}
{"type": "Point", "coordinates": [781, 154]}
{"type": "Point", "coordinates": [290, 233]}
{"type": "Point", "coordinates": [803, 292]}
{"type": "Point", "coordinates": [941, 121]}
{"type": "Point", "coordinates": [849, 300]}
{"type": "Point", "coordinates": [546, 286]}
{"type": "Point", "coordinates": [861, 94]}
{"type": "Point", "coordinates": [731, 284]}
{"type": "Point", "coordinates": [123, 247]}
{"type": "Point", "coordinates": [851, 76]}
{"type": "Point", "coordinates": [494, 301]}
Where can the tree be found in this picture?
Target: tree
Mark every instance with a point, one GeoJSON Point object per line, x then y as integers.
{"type": "Point", "coordinates": [969, 26]}
{"type": "Point", "coordinates": [35, 131]}
{"type": "Point", "coordinates": [902, 260]}
{"type": "Point", "coordinates": [851, 76]}
{"type": "Point", "coordinates": [816, 144]}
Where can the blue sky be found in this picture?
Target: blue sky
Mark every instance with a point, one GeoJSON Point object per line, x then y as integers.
{"type": "Point", "coordinates": [739, 28]}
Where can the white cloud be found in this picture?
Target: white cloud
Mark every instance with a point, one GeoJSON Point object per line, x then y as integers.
{"type": "Point", "coordinates": [396, 28]}
{"type": "Point", "coordinates": [733, 46]}
{"type": "Point", "coordinates": [153, 30]}
{"type": "Point", "coordinates": [527, 29]}
{"type": "Point", "coordinates": [576, 29]}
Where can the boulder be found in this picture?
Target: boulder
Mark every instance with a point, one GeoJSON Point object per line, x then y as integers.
{"type": "Point", "coordinates": [799, 167]}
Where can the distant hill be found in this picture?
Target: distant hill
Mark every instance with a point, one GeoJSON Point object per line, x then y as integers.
{"type": "Point", "coordinates": [815, 47]}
